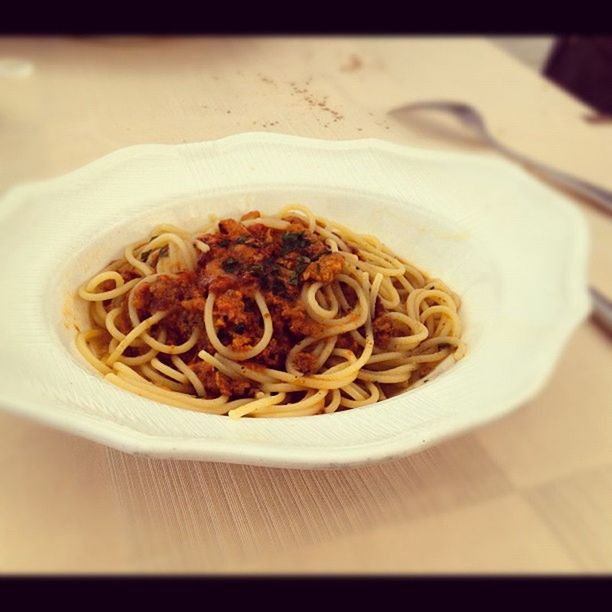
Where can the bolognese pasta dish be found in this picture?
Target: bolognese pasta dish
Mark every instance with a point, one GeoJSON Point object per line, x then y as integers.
{"type": "Point", "coordinates": [267, 316]}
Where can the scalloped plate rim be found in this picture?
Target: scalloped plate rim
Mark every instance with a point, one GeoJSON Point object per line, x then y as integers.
{"type": "Point", "coordinates": [126, 439]}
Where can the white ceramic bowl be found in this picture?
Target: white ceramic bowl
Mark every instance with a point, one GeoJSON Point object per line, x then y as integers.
{"type": "Point", "coordinates": [514, 250]}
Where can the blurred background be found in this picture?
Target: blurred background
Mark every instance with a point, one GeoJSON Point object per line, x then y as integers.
{"type": "Point", "coordinates": [531, 50]}
{"type": "Point", "coordinates": [582, 65]}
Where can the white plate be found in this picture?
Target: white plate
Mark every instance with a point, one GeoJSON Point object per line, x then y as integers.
{"type": "Point", "coordinates": [514, 250]}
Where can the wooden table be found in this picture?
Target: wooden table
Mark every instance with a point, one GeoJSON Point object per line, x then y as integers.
{"type": "Point", "coordinates": [531, 492]}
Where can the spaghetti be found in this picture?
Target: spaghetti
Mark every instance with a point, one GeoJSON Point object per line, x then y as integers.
{"type": "Point", "coordinates": [269, 316]}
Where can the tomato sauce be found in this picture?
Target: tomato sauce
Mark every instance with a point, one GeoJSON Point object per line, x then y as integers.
{"type": "Point", "coordinates": [241, 261]}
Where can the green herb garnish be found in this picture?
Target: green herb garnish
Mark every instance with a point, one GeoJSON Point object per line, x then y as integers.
{"type": "Point", "coordinates": [230, 265]}
{"type": "Point", "coordinates": [239, 328]}
{"type": "Point", "coordinates": [224, 243]}
{"type": "Point", "coordinates": [256, 269]}
{"type": "Point", "coordinates": [301, 264]}
{"type": "Point", "coordinates": [294, 241]}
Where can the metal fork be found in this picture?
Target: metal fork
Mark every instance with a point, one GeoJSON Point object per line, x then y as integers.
{"type": "Point", "coordinates": [471, 118]}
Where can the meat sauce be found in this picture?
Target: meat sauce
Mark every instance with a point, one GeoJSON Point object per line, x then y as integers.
{"type": "Point", "coordinates": [242, 260]}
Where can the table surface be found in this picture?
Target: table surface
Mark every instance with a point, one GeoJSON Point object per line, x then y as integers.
{"type": "Point", "coordinates": [529, 493]}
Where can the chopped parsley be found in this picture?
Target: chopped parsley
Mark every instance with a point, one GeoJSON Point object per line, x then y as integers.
{"type": "Point", "coordinates": [224, 243]}
{"type": "Point", "coordinates": [241, 239]}
{"type": "Point", "coordinates": [294, 241]}
{"type": "Point", "coordinates": [270, 263]}
{"type": "Point", "coordinates": [256, 269]}
{"type": "Point", "coordinates": [231, 265]}
{"type": "Point", "coordinates": [301, 264]}
{"type": "Point", "coordinates": [239, 328]}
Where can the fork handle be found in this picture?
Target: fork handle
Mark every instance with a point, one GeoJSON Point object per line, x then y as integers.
{"type": "Point", "coordinates": [602, 310]}
{"type": "Point", "coordinates": [600, 196]}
